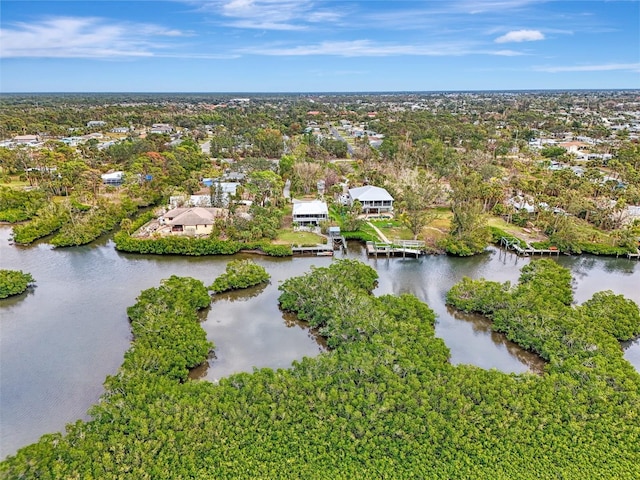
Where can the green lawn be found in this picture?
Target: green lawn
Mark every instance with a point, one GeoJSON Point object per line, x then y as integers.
{"type": "Point", "coordinates": [16, 183]}
{"type": "Point", "coordinates": [523, 233]}
{"type": "Point", "coordinates": [366, 228]}
{"type": "Point", "coordinates": [443, 220]}
{"type": "Point", "coordinates": [393, 229]}
{"type": "Point", "coordinates": [298, 238]}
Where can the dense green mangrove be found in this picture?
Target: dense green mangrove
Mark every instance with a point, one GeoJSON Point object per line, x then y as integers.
{"type": "Point", "coordinates": [240, 274]}
{"type": "Point", "coordinates": [73, 223]}
{"type": "Point", "coordinates": [175, 245]}
{"type": "Point", "coordinates": [383, 402]}
{"type": "Point", "coordinates": [14, 282]}
{"type": "Point", "coordinates": [19, 205]}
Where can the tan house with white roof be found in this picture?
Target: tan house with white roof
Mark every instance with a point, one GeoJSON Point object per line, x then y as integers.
{"type": "Point", "coordinates": [191, 221]}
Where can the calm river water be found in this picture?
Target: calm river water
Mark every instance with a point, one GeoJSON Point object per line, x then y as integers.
{"type": "Point", "coordinates": [60, 341]}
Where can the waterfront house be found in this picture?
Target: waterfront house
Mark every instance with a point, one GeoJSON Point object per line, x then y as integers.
{"type": "Point", "coordinates": [191, 221]}
{"type": "Point", "coordinates": [373, 199]}
{"type": "Point", "coordinates": [310, 213]}
{"type": "Point", "coordinates": [520, 204]}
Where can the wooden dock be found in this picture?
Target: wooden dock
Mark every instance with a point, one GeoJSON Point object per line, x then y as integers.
{"type": "Point", "coordinates": [634, 255]}
{"type": "Point", "coordinates": [511, 245]}
{"type": "Point", "coordinates": [320, 249]}
{"type": "Point", "coordinates": [334, 242]}
{"type": "Point", "coordinates": [339, 242]}
{"type": "Point", "coordinates": [402, 248]}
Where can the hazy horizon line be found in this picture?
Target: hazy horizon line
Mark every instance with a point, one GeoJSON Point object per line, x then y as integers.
{"type": "Point", "coordinates": [319, 92]}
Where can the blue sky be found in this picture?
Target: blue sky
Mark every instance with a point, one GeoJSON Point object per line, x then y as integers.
{"type": "Point", "coordinates": [316, 46]}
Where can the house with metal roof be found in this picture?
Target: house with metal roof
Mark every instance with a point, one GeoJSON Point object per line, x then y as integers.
{"type": "Point", "coordinates": [373, 199]}
{"type": "Point", "coordinates": [113, 178]}
{"type": "Point", "coordinates": [310, 213]}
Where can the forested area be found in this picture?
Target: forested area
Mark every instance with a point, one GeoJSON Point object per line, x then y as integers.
{"type": "Point", "coordinates": [67, 198]}
{"type": "Point", "coordinates": [455, 164]}
{"type": "Point", "coordinates": [382, 402]}
{"type": "Point", "coordinates": [19, 205]}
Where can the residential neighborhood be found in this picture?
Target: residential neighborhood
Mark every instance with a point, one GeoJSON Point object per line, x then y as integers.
{"type": "Point", "coordinates": [543, 166]}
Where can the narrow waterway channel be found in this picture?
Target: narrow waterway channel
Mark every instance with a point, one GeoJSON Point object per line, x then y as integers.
{"type": "Point", "coordinates": [60, 341]}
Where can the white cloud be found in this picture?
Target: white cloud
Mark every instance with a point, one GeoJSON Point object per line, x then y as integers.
{"type": "Point", "coordinates": [82, 37]}
{"type": "Point", "coordinates": [507, 53]}
{"type": "Point", "coordinates": [485, 6]}
{"type": "Point", "coordinates": [607, 67]}
{"type": "Point", "coordinates": [368, 48]}
{"type": "Point", "coordinates": [520, 36]}
{"type": "Point", "coordinates": [271, 14]}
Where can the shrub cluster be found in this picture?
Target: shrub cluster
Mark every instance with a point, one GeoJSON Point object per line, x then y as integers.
{"type": "Point", "coordinates": [76, 224]}
{"type": "Point", "coordinates": [586, 247]}
{"type": "Point", "coordinates": [167, 337]}
{"type": "Point", "coordinates": [176, 245]}
{"type": "Point", "coordinates": [19, 205]}
{"type": "Point", "coordinates": [240, 274]}
{"type": "Point", "coordinates": [94, 222]}
{"type": "Point", "coordinates": [48, 220]}
{"type": "Point", "coordinates": [14, 282]}
{"type": "Point", "coordinates": [538, 315]}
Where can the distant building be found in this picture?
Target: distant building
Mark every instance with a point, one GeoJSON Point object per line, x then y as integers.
{"type": "Point", "coordinates": [161, 128]}
{"type": "Point", "coordinates": [114, 178]}
{"type": "Point", "coordinates": [234, 176]}
{"type": "Point", "coordinates": [71, 141]}
{"type": "Point", "coordinates": [26, 139]}
{"type": "Point", "coordinates": [220, 196]}
{"type": "Point", "coordinates": [96, 123]}
{"type": "Point", "coordinates": [120, 130]}
{"type": "Point", "coordinates": [573, 147]}
{"type": "Point", "coordinates": [520, 204]}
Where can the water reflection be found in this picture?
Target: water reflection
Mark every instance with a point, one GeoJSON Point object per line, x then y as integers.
{"type": "Point", "coordinates": [430, 278]}
{"type": "Point", "coordinates": [200, 372]}
{"type": "Point", "coordinates": [482, 326]}
{"type": "Point", "coordinates": [14, 299]}
{"type": "Point", "coordinates": [239, 295]}
{"type": "Point", "coordinates": [632, 352]}
{"type": "Point", "coordinates": [291, 320]}
{"type": "Point", "coordinates": [249, 330]}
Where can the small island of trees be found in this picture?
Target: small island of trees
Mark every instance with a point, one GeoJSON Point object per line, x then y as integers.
{"type": "Point", "coordinates": [14, 282]}
{"type": "Point", "coordinates": [240, 274]}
